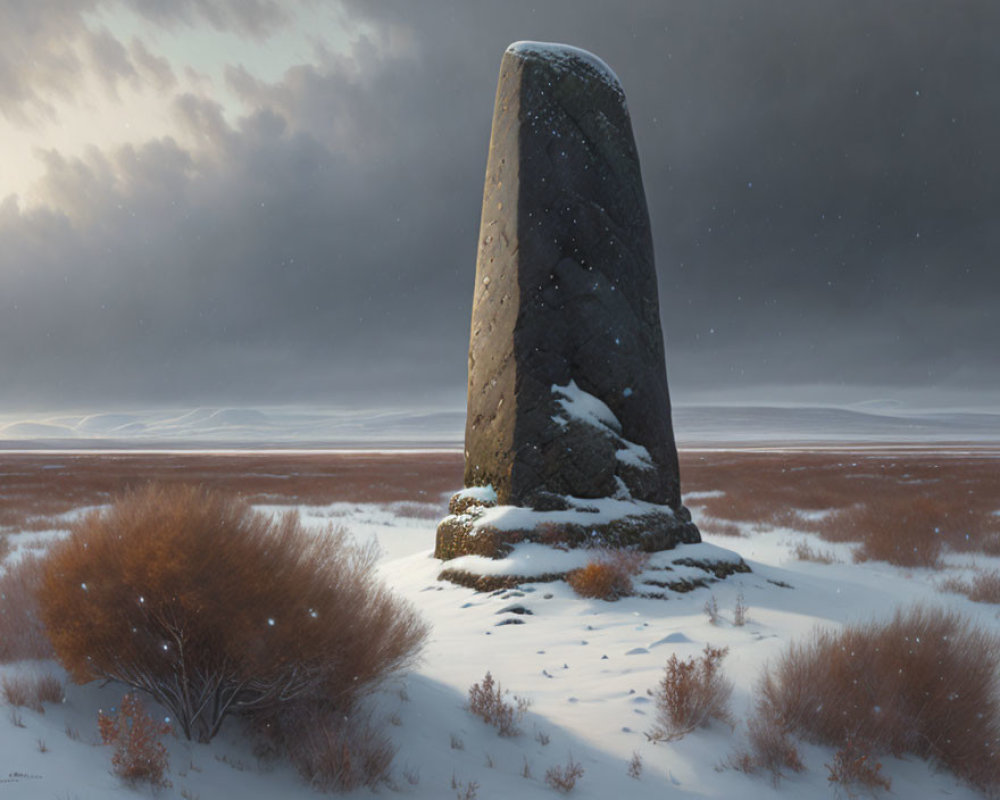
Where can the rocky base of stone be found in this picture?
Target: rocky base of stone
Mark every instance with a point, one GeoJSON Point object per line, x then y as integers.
{"type": "Point", "coordinates": [650, 529]}
{"type": "Point", "coordinates": [680, 575]}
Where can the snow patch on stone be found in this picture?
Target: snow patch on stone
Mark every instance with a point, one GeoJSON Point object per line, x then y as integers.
{"type": "Point", "coordinates": [482, 494]}
{"type": "Point", "coordinates": [560, 56]}
{"type": "Point", "coordinates": [584, 407]}
{"type": "Point", "coordinates": [634, 455]}
{"type": "Point", "coordinates": [582, 511]}
{"type": "Point", "coordinates": [527, 559]}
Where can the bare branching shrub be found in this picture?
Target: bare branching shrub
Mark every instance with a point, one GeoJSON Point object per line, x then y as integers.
{"type": "Point", "coordinates": [692, 693]}
{"type": "Point", "coordinates": [487, 700]}
{"type": "Point", "coordinates": [741, 614]}
{"type": "Point", "coordinates": [854, 767]}
{"type": "Point", "coordinates": [411, 775]}
{"type": "Point", "coordinates": [635, 765]}
{"type": "Point", "coordinates": [609, 576]}
{"type": "Point", "coordinates": [465, 791]}
{"type": "Point", "coordinates": [215, 609]}
{"type": "Point", "coordinates": [923, 683]}
{"type": "Point", "coordinates": [31, 691]}
{"type": "Point", "coordinates": [331, 752]}
{"type": "Point", "coordinates": [804, 552]}
{"type": "Point", "coordinates": [563, 778]}
{"type": "Point", "coordinates": [712, 610]}
{"type": "Point", "coordinates": [139, 754]}
{"type": "Point", "coordinates": [4, 546]}
{"type": "Point", "coordinates": [22, 635]}
{"type": "Point", "coordinates": [771, 748]}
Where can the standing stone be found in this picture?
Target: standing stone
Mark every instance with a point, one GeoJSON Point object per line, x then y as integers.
{"type": "Point", "coordinates": [567, 384]}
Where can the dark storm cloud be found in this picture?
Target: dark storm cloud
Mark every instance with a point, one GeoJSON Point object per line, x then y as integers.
{"type": "Point", "coordinates": [37, 58]}
{"type": "Point", "coordinates": [42, 41]}
{"type": "Point", "coordinates": [109, 58]}
{"type": "Point", "coordinates": [821, 179]}
{"type": "Point", "coordinates": [153, 69]}
{"type": "Point", "coordinates": [257, 18]}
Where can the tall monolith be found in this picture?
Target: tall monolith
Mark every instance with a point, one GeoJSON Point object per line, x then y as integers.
{"type": "Point", "coordinates": [567, 396]}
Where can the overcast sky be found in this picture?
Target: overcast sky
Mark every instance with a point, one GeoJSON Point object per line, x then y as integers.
{"type": "Point", "coordinates": [267, 201]}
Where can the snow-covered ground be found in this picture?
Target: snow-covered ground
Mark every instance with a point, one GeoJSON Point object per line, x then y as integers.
{"type": "Point", "coordinates": [586, 666]}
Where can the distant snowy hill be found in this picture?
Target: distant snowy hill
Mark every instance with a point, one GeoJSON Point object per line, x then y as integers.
{"type": "Point", "coordinates": [878, 421]}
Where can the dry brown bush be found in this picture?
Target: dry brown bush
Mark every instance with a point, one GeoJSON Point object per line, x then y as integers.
{"type": "Point", "coordinates": [139, 754]}
{"type": "Point", "coordinates": [5, 546]}
{"type": "Point", "coordinates": [563, 778]}
{"type": "Point", "coordinates": [609, 576]}
{"type": "Point", "coordinates": [924, 683]}
{"type": "Point", "coordinates": [214, 609]}
{"type": "Point", "coordinates": [770, 747]}
{"type": "Point", "coordinates": [691, 693]}
{"type": "Point", "coordinates": [487, 700]}
{"type": "Point", "coordinates": [855, 767]}
{"type": "Point", "coordinates": [332, 752]}
{"type": "Point", "coordinates": [22, 634]}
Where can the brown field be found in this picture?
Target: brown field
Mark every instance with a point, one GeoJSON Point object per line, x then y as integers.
{"type": "Point", "coordinates": [901, 504]}
{"type": "Point", "coordinates": [36, 486]}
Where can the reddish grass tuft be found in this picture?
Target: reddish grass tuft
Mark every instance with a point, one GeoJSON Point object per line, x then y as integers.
{"type": "Point", "coordinates": [719, 527]}
{"type": "Point", "coordinates": [139, 754]}
{"type": "Point", "coordinates": [487, 700]}
{"type": "Point", "coordinates": [609, 576]}
{"type": "Point", "coordinates": [923, 683]}
{"type": "Point", "coordinates": [22, 634]}
{"type": "Point", "coordinates": [904, 532]}
{"type": "Point", "coordinates": [31, 691]}
{"type": "Point", "coordinates": [691, 693]}
{"type": "Point", "coordinates": [854, 767]}
{"type": "Point", "coordinates": [804, 552]}
{"type": "Point", "coordinates": [564, 778]}
{"type": "Point", "coordinates": [984, 588]}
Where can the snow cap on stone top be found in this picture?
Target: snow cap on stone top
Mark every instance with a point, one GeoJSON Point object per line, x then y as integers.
{"type": "Point", "coordinates": [568, 58]}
